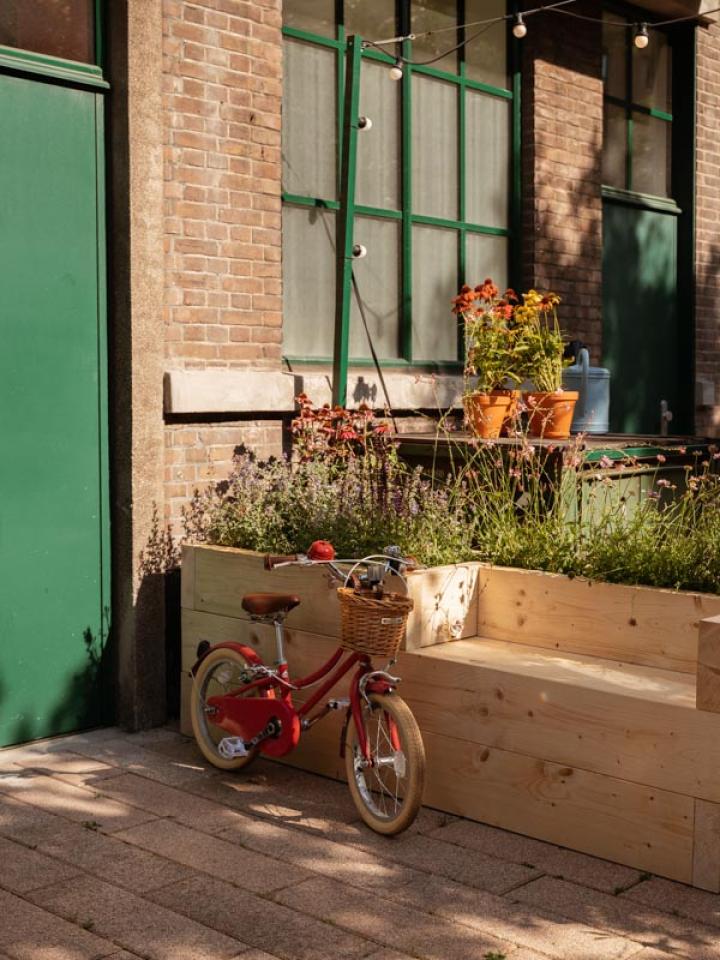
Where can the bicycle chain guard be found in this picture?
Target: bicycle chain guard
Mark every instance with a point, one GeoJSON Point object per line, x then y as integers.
{"type": "Point", "coordinates": [247, 717]}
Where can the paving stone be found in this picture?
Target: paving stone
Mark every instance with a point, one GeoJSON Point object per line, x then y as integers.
{"type": "Point", "coordinates": [288, 799]}
{"type": "Point", "coordinates": [391, 924]}
{"type": "Point", "coordinates": [533, 929]}
{"type": "Point", "coordinates": [24, 823]}
{"type": "Point", "coordinates": [29, 933]}
{"type": "Point", "coordinates": [431, 855]}
{"type": "Point", "coordinates": [233, 863]}
{"type": "Point", "coordinates": [122, 955]}
{"type": "Point", "coordinates": [111, 859]}
{"type": "Point", "coordinates": [24, 869]}
{"type": "Point", "coordinates": [134, 924]}
{"type": "Point", "coordinates": [546, 857]}
{"type": "Point", "coordinates": [677, 899]}
{"type": "Point", "coordinates": [265, 925]}
{"type": "Point", "coordinates": [257, 955]}
{"type": "Point", "coordinates": [164, 801]}
{"type": "Point", "coordinates": [622, 916]}
{"type": "Point", "coordinates": [74, 803]}
{"type": "Point", "coordinates": [318, 854]}
{"type": "Point", "coordinates": [73, 766]}
{"type": "Point", "coordinates": [388, 955]}
{"type": "Point", "coordinates": [133, 756]}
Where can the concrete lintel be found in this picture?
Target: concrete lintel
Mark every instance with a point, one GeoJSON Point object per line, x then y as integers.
{"type": "Point", "coordinates": [271, 391]}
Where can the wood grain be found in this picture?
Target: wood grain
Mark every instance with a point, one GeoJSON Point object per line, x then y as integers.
{"type": "Point", "coordinates": [706, 859]}
{"type": "Point", "coordinates": [642, 625]}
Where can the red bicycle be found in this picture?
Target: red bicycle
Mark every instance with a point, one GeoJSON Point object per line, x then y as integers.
{"type": "Point", "coordinates": [241, 707]}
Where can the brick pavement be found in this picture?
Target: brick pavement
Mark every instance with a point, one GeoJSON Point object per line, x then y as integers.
{"type": "Point", "coordinates": [121, 846]}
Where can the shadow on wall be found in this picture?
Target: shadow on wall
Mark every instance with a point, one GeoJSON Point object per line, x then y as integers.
{"type": "Point", "coordinates": [614, 265]}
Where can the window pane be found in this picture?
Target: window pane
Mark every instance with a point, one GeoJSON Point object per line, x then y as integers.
{"type": "Point", "coordinates": [372, 19]}
{"type": "Point", "coordinates": [486, 56]}
{"type": "Point", "coordinates": [435, 270]}
{"type": "Point", "coordinates": [487, 159]}
{"type": "Point", "coordinates": [309, 135]}
{"type": "Point", "coordinates": [651, 73]}
{"type": "Point", "coordinates": [435, 15]}
{"type": "Point", "coordinates": [59, 28]}
{"type": "Point", "coordinates": [615, 147]}
{"type": "Point", "coordinates": [651, 155]}
{"type": "Point", "coordinates": [378, 280]}
{"type": "Point", "coordinates": [434, 148]}
{"type": "Point", "coordinates": [308, 281]}
{"type": "Point", "coordinates": [378, 183]}
{"type": "Point", "coordinates": [486, 257]}
{"type": "Point", "coordinates": [615, 41]}
{"type": "Point", "coordinates": [315, 16]}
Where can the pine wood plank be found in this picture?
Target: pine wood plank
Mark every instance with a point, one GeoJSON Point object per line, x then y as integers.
{"type": "Point", "coordinates": [187, 579]}
{"type": "Point", "coordinates": [218, 577]}
{"type": "Point", "coordinates": [638, 826]}
{"type": "Point", "coordinates": [634, 723]}
{"type": "Point", "coordinates": [708, 670]}
{"type": "Point", "coordinates": [706, 858]}
{"type": "Point", "coordinates": [640, 625]}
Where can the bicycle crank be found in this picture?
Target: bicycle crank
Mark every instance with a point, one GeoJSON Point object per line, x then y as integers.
{"type": "Point", "coordinates": [231, 747]}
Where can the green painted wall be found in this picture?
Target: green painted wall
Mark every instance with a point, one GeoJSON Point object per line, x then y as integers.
{"type": "Point", "coordinates": [53, 534]}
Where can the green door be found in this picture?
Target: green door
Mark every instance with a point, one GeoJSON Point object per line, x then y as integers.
{"type": "Point", "coordinates": [643, 344]}
{"type": "Point", "coordinates": [53, 523]}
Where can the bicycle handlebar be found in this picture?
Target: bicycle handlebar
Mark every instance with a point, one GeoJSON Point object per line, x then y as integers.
{"type": "Point", "coordinates": [272, 559]}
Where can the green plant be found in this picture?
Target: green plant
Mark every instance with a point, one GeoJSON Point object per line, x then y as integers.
{"type": "Point", "coordinates": [335, 433]}
{"type": "Point", "coordinates": [539, 343]}
{"type": "Point", "coordinates": [490, 359]}
{"type": "Point", "coordinates": [160, 553]}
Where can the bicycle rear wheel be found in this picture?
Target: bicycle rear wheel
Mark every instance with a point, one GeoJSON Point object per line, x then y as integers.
{"type": "Point", "coordinates": [387, 791]}
{"type": "Point", "coordinates": [220, 672]}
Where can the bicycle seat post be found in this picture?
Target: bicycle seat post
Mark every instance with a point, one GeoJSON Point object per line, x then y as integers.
{"type": "Point", "coordinates": [279, 625]}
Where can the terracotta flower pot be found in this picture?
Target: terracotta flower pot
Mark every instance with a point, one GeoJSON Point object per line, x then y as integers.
{"type": "Point", "coordinates": [485, 413]}
{"type": "Point", "coordinates": [510, 421]}
{"type": "Point", "coordinates": [550, 414]}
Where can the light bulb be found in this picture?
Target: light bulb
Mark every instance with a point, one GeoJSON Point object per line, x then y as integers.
{"type": "Point", "coordinates": [396, 71]}
{"type": "Point", "coordinates": [519, 28]}
{"type": "Point", "coordinates": [642, 38]}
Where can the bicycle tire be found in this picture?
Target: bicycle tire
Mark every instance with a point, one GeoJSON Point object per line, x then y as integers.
{"type": "Point", "coordinates": [386, 811]}
{"type": "Point", "coordinates": [204, 736]}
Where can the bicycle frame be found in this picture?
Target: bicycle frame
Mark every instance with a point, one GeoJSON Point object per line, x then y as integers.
{"type": "Point", "coordinates": [239, 713]}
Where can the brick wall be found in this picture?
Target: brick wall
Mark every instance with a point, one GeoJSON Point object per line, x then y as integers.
{"type": "Point", "coordinates": [223, 308]}
{"type": "Point", "coordinates": [707, 231]}
{"type": "Point", "coordinates": [222, 73]}
{"type": "Point", "coordinates": [562, 168]}
{"type": "Point", "coordinates": [199, 454]}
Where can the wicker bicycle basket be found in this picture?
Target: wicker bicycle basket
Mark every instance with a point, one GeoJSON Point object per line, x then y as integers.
{"type": "Point", "coordinates": [372, 626]}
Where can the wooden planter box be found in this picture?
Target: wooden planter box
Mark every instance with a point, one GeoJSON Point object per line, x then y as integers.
{"type": "Point", "coordinates": [578, 713]}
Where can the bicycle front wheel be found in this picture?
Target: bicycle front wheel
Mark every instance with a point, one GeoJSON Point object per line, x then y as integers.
{"type": "Point", "coordinates": [388, 790]}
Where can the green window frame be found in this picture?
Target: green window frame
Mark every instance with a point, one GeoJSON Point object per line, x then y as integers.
{"type": "Point", "coordinates": [405, 216]}
{"type": "Point", "coordinates": [633, 110]}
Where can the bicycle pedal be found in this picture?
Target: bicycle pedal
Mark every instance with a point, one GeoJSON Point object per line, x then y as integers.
{"type": "Point", "coordinates": [230, 748]}
{"type": "Point", "coordinates": [341, 704]}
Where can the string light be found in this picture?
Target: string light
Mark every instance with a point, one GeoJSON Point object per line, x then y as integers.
{"type": "Point", "coordinates": [519, 29]}
{"type": "Point", "coordinates": [642, 37]}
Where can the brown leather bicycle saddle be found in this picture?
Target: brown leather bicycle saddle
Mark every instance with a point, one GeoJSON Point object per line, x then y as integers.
{"type": "Point", "coordinates": [265, 604]}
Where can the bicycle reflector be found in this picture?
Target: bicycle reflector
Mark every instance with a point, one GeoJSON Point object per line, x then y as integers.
{"type": "Point", "coordinates": [321, 550]}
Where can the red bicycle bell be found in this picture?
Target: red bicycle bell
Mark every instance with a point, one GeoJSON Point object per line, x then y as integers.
{"type": "Point", "coordinates": [321, 550]}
